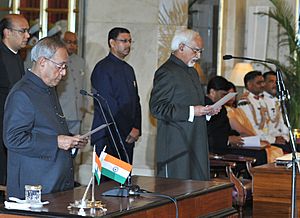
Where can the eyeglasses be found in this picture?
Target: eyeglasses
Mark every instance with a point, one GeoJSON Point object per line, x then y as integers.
{"type": "Point", "coordinates": [195, 50]}
{"type": "Point", "coordinates": [125, 40]}
{"type": "Point", "coordinates": [23, 31]}
{"type": "Point", "coordinates": [58, 66]}
{"type": "Point", "coordinates": [71, 42]}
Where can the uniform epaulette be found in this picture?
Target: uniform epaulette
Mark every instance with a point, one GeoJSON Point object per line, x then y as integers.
{"type": "Point", "coordinates": [243, 102]}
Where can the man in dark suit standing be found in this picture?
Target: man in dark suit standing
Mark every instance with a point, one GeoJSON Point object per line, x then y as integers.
{"type": "Point", "coordinates": [36, 134]}
{"type": "Point", "coordinates": [14, 36]}
{"type": "Point", "coordinates": [177, 101]}
{"type": "Point", "coordinates": [115, 81]}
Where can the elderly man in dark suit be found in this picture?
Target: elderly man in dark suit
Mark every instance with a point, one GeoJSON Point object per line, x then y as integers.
{"type": "Point", "coordinates": [177, 101]}
{"type": "Point", "coordinates": [14, 35]}
{"type": "Point", "coordinates": [115, 81]}
{"type": "Point", "coordinates": [35, 130]}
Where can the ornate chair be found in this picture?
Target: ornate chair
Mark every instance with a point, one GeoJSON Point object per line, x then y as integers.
{"type": "Point", "coordinates": [242, 187]}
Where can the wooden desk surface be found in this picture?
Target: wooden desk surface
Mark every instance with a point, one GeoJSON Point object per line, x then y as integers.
{"type": "Point", "coordinates": [195, 198]}
{"type": "Point", "coordinates": [272, 188]}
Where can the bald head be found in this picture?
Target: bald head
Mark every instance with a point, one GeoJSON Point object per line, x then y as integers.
{"type": "Point", "coordinates": [14, 31]}
{"type": "Point", "coordinates": [70, 40]}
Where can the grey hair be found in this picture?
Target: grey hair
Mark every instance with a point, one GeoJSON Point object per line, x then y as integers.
{"type": "Point", "coordinates": [182, 36]}
{"type": "Point", "coordinates": [46, 47]}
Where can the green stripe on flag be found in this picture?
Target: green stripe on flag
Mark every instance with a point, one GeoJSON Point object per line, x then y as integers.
{"type": "Point", "coordinates": [97, 177]}
{"type": "Point", "coordinates": [113, 175]}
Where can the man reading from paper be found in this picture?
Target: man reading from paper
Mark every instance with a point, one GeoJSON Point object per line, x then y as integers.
{"type": "Point", "coordinates": [35, 130]}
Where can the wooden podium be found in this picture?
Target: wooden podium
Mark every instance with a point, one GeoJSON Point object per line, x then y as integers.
{"type": "Point", "coordinates": [194, 199]}
{"type": "Point", "coordinates": [272, 188]}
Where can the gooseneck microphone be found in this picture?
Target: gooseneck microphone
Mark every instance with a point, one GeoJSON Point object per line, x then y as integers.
{"type": "Point", "coordinates": [83, 92]}
{"type": "Point", "coordinates": [95, 96]}
{"type": "Point", "coordinates": [228, 57]}
{"type": "Point", "coordinates": [283, 95]}
{"type": "Point", "coordinates": [115, 125]}
{"type": "Point", "coordinates": [281, 92]}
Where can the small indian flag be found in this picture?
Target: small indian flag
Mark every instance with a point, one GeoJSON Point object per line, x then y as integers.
{"type": "Point", "coordinates": [96, 166]}
{"type": "Point", "coordinates": [114, 168]}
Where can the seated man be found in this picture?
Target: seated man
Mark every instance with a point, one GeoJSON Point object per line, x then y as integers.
{"type": "Point", "coordinates": [255, 107]}
{"type": "Point", "coordinates": [240, 123]}
{"type": "Point", "coordinates": [277, 127]}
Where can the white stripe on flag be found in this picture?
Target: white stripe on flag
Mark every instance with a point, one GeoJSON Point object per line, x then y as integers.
{"type": "Point", "coordinates": [116, 169]}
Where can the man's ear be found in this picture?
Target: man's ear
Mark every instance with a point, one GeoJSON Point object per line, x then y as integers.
{"type": "Point", "coordinates": [6, 33]}
{"type": "Point", "coordinates": [180, 47]}
{"type": "Point", "coordinates": [41, 61]}
{"type": "Point", "coordinates": [249, 85]}
{"type": "Point", "coordinates": [112, 43]}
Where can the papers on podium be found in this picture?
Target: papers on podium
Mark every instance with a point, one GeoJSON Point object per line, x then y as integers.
{"type": "Point", "coordinates": [223, 100]}
{"type": "Point", "coordinates": [94, 130]}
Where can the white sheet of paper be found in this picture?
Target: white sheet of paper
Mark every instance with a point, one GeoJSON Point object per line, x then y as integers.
{"type": "Point", "coordinates": [94, 130]}
{"type": "Point", "coordinates": [251, 141]}
{"type": "Point", "coordinates": [223, 100]}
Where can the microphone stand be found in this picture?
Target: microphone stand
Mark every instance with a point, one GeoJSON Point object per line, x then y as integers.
{"type": "Point", "coordinates": [283, 96]}
{"type": "Point", "coordinates": [121, 191]}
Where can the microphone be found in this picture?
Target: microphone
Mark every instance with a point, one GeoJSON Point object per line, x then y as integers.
{"type": "Point", "coordinates": [84, 92]}
{"type": "Point", "coordinates": [281, 92]}
{"type": "Point", "coordinates": [95, 95]}
{"type": "Point", "coordinates": [228, 57]}
{"type": "Point", "coordinates": [115, 125]}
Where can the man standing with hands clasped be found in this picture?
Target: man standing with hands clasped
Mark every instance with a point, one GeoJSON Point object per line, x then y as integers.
{"type": "Point", "coordinates": [35, 130]}
{"type": "Point", "coordinates": [115, 81]}
{"type": "Point", "coordinates": [177, 101]}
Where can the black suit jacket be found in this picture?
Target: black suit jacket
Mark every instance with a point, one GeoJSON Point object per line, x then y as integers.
{"type": "Point", "coordinates": [114, 79]}
{"type": "Point", "coordinates": [218, 130]}
{"type": "Point", "coordinates": [11, 71]}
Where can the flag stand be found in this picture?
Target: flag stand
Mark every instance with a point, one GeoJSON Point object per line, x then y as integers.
{"type": "Point", "coordinates": [92, 204]}
{"type": "Point", "coordinates": [91, 182]}
{"type": "Point", "coordinates": [121, 191]}
{"type": "Point", "coordinates": [83, 200]}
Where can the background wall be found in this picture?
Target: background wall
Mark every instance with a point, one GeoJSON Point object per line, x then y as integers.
{"type": "Point", "coordinates": [248, 34]}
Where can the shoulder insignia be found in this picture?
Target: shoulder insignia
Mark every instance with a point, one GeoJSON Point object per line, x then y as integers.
{"type": "Point", "coordinates": [243, 102]}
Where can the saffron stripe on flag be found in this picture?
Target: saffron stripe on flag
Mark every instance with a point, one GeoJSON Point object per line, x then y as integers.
{"type": "Point", "coordinates": [118, 162]}
{"type": "Point", "coordinates": [97, 160]}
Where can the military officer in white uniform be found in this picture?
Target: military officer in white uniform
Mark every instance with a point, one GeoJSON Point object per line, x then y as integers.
{"type": "Point", "coordinates": [277, 127]}
{"type": "Point", "coordinates": [255, 107]}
